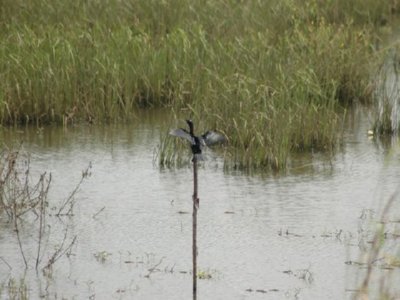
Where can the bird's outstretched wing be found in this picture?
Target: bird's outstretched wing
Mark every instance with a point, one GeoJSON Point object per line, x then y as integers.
{"type": "Point", "coordinates": [182, 133]}
{"type": "Point", "coordinates": [211, 138]}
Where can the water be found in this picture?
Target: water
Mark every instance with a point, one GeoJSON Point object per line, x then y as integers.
{"type": "Point", "coordinates": [259, 237]}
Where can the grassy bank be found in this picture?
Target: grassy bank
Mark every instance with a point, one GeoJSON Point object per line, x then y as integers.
{"type": "Point", "coordinates": [270, 74]}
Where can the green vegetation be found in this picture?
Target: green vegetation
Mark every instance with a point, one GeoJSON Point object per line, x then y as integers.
{"type": "Point", "coordinates": [270, 74]}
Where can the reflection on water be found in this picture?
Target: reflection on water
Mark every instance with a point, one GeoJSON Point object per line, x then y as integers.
{"type": "Point", "coordinates": [284, 236]}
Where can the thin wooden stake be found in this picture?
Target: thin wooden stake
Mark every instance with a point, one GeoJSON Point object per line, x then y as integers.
{"type": "Point", "coordinates": [194, 218]}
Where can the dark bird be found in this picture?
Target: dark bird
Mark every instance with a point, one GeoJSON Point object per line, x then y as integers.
{"type": "Point", "coordinates": [209, 138]}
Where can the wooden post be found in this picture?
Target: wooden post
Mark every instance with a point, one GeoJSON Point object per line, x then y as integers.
{"type": "Point", "coordinates": [194, 219]}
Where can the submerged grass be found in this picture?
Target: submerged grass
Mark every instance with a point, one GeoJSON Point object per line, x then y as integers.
{"type": "Point", "coordinates": [14, 290]}
{"type": "Point", "coordinates": [270, 74]}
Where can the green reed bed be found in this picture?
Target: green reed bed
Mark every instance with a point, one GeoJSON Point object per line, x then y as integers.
{"type": "Point", "coordinates": [98, 77]}
{"type": "Point", "coordinates": [270, 74]}
{"type": "Point", "coordinates": [282, 97]}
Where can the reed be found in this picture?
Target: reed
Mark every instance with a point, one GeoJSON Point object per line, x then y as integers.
{"type": "Point", "coordinates": [381, 257]}
{"type": "Point", "coordinates": [170, 153]}
{"type": "Point", "coordinates": [271, 74]}
{"type": "Point", "coordinates": [272, 100]}
{"type": "Point", "coordinates": [386, 95]}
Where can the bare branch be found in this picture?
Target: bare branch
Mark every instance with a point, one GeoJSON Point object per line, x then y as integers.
{"type": "Point", "coordinates": [85, 174]}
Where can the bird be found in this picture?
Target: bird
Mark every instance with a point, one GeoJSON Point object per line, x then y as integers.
{"type": "Point", "coordinates": [208, 139]}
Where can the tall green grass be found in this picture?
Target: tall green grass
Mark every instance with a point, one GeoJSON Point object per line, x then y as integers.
{"type": "Point", "coordinates": [270, 74]}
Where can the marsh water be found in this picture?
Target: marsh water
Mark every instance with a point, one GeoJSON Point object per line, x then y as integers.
{"type": "Point", "coordinates": [260, 236]}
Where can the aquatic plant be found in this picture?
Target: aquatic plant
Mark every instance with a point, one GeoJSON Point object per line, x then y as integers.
{"type": "Point", "coordinates": [14, 289]}
{"type": "Point", "coordinates": [22, 200]}
{"type": "Point", "coordinates": [170, 153]}
{"type": "Point", "coordinates": [386, 96]}
{"type": "Point", "coordinates": [270, 74]}
{"type": "Point", "coordinates": [382, 256]}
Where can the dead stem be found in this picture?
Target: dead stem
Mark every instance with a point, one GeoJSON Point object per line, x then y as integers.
{"type": "Point", "coordinates": [151, 270]}
{"type": "Point", "coordinates": [18, 236]}
{"type": "Point", "coordinates": [19, 198]}
{"type": "Point", "coordinates": [97, 213]}
{"type": "Point", "coordinates": [42, 216]}
{"type": "Point", "coordinates": [60, 251]}
{"type": "Point", "coordinates": [8, 265]}
{"type": "Point", "coordinates": [376, 247]}
{"type": "Point", "coordinates": [70, 200]}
